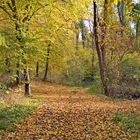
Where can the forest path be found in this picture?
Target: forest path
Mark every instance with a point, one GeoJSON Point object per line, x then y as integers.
{"type": "Point", "coordinates": [70, 113]}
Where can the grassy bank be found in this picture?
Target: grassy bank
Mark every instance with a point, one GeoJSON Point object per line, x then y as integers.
{"type": "Point", "coordinates": [14, 108]}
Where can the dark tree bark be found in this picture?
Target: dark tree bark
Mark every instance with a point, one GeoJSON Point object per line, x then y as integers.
{"type": "Point", "coordinates": [46, 70]}
{"type": "Point", "coordinates": [37, 69]}
{"type": "Point", "coordinates": [47, 64]}
{"type": "Point", "coordinates": [77, 40]}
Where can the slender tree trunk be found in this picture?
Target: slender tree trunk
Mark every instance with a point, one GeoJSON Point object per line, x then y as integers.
{"type": "Point", "coordinates": [76, 35]}
{"type": "Point", "coordinates": [46, 70]}
{"type": "Point", "coordinates": [18, 73]}
{"type": "Point", "coordinates": [47, 64]}
{"type": "Point", "coordinates": [8, 64]}
{"type": "Point", "coordinates": [27, 82]}
{"type": "Point", "coordinates": [99, 52]}
{"type": "Point", "coordinates": [83, 37]}
{"type": "Point", "coordinates": [121, 13]}
{"type": "Point", "coordinates": [37, 69]}
{"type": "Point", "coordinates": [92, 52]}
{"type": "Point", "coordinates": [18, 37]}
{"type": "Point", "coordinates": [77, 40]}
{"type": "Point", "coordinates": [92, 43]}
{"type": "Point", "coordinates": [138, 33]}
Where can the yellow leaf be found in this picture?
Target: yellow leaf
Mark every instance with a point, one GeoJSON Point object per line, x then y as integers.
{"type": "Point", "coordinates": [116, 2]}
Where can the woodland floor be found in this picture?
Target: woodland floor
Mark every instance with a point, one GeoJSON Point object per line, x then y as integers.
{"type": "Point", "coordinates": [71, 113]}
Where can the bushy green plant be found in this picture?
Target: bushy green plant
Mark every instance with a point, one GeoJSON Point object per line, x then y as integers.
{"type": "Point", "coordinates": [129, 121]}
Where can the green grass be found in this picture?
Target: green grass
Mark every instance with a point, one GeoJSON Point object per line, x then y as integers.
{"type": "Point", "coordinates": [129, 121]}
{"type": "Point", "coordinates": [96, 88]}
{"type": "Point", "coordinates": [11, 115]}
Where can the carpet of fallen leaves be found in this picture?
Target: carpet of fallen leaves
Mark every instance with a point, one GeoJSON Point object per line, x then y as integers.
{"type": "Point", "coordinates": [70, 113]}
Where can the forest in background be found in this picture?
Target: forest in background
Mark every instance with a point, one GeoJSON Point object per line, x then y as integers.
{"type": "Point", "coordinates": [83, 43]}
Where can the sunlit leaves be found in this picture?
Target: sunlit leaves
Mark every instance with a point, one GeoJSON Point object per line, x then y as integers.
{"type": "Point", "coordinates": [115, 2]}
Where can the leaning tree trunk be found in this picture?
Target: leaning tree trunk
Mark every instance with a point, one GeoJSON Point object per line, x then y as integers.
{"type": "Point", "coordinates": [27, 82]}
{"type": "Point", "coordinates": [99, 52]}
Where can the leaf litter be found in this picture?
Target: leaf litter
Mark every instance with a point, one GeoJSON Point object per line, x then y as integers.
{"type": "Point", "coordinates": [73, 116]}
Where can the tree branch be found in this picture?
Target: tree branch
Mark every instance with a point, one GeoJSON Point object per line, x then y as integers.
{"type": "Point", "coordinates": [4, 9]}
{"type": "Point", "coordinates": [29, 17]}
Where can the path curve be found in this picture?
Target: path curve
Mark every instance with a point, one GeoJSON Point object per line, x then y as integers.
{"type": "Point", "coordinates": [70, 113]}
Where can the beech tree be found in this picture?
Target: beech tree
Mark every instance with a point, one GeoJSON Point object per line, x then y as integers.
{"type": "Point", "coordinates": [20, 13]}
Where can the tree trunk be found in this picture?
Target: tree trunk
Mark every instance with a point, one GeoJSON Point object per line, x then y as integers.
{"type": "Point", "coordinates": [77, 40]}
{"type": "Point", "coordinates": [8, 64]}
{"type": "Point", "coordinates": [27, 82]}
{"type": "Point", "coordinates": [92, 44]}
{"type": "Point", "coordinates": [121, 13]}
{"type": "Point", "coordinates": [47, 64]}
{"type": "Point", "coordinates": [92, 53]}
{"type": "Point", "coordinates": [18, 37]}
{"type": "Point", "coordinates": [46, 70]}
{"type": "Point", "coordinates": [104, 31]}
{"type": "Point", "coordinates": [37, 69]}
{"type": "Point", "coordinates": [76, 35]}
{"type": "Point", "coordinates": [18, 74]}
{"type": "Point", "coordinates": [99, 52]}
{"type": "Point", "coordinates": [138, 33]}
{"type": "Point", "coordinates": [83, 37]}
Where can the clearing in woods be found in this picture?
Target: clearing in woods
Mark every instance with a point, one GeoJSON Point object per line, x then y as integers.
{"type": "Point", "coordinates": [71, 113]}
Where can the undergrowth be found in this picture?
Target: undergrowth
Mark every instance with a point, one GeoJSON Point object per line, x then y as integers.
{"type": "Point", "coordinates": [129, 121]}
{"type": "Point", "coordinates": [12, 113]}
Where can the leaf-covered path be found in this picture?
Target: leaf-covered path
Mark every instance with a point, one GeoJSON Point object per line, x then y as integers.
{"type": "Point", "coordinates": [69, 113]}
